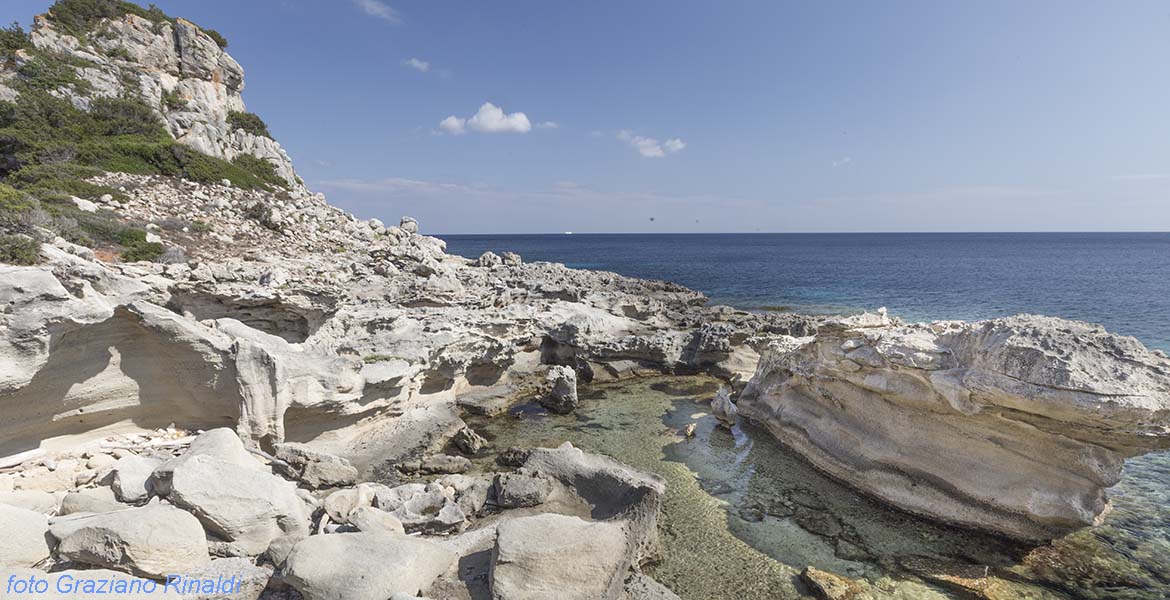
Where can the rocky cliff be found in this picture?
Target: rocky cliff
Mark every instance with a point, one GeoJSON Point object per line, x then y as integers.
{"type": "Point", "coordinates": [171, 65]}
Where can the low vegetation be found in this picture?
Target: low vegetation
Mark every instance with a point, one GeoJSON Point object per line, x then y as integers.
{"type": "Point", "coordinates": [19, 250]}
{"type": "Point", "coordinates": [249, 122]}
{"type": "Point", "coordinates": [13, 38]}
{"type": "Point", "coordinates": [80, 18]}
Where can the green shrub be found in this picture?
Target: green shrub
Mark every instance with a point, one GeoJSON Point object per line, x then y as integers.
{"type": "Point", "coordinates": [173, 100]}
{"type": "Point", "coordinates": [19, 250]}
{"type": "Point", "coordinates": [249, 122]}
{"type": "Point", "coordinates": [47, 73]}
{"type": "Point", "coordinates": [200, 227]}
{"type": "Point", "coordinates": [123, 116]}
{"type": "Point", "coordinates": [13, 38]}
{"type": "Point", "coordinates": [119, 52]}
{"type": "Point", "coordinates": [262, 169]}
{"type": "Point", "coordinates": [79, 17]}
{"type": "Point", "coordinates": [217, 36]}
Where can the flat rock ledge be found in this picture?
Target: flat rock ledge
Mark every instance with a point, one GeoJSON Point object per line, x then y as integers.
{"type": "Point", "coordinates": [1015, 426]}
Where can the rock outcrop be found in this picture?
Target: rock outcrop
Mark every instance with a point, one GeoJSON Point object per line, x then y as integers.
{"type": "Point", "coordinates": [174, 66]}
{"type": "Point", "coordinates": [1014, 425]}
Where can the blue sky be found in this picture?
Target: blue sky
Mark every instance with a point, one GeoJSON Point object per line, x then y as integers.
{"type": "Point", "coordinates": [714, 116]}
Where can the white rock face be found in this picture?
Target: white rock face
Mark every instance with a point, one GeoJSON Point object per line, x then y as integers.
{"type": "Point", "coordinates": [558, 556]}
{"type": "Point", "coordinates": [1013, 425]}
{"type": "Point", "coordinates": [152, 541]}
{"type": "Point", "coordinates": [22, 543]}
{"type": "Point", "coordinates": [177, 68]}
{"type": "Point", "coordinates": [364, 566]}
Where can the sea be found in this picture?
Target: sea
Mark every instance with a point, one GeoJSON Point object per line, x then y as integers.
{"type": "Point", "coordinates": [1120, 280]}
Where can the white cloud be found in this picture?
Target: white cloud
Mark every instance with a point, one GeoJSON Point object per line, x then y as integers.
{"type": "Point", "coordinates": [650, 147]}
{"type": "Point", "coordinates": [489, 119]}
{"type": "Point", "coordinates": [548, 125]}
{"type": "Point", "coordinates": [453, 125]}
{"type": "Point", "coordinates": [841, 162]}
{"type": "Point", "coordinates": [417, 64]}
{"type": "Point", "coordinates": [379, 9]}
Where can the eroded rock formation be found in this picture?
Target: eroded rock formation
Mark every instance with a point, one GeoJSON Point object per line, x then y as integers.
{"type": "Point", "coordinates": [1014, 425]}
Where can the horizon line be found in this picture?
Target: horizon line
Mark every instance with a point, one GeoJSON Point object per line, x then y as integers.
{"type": "Point", "coordinates": [1045, 232]}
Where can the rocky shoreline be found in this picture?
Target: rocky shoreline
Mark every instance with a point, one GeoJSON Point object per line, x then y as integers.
{"type": "Point", "coordinates": [280, 397]}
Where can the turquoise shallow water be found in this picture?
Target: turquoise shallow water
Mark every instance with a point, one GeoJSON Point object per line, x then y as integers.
{"type": "Point", "coordinates": [744, 515]}
{"type": "Point", "coordinates": [1121, 280]}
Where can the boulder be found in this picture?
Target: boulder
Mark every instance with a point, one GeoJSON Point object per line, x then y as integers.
{"type": "Point", "coordinates": [368, 518]}
{"type": "Point", "coordinates": [558, 556]}
{"type": "Point", "coordinates": [233, 495]}
{"type": "Point", "coordinates": [364, 566]}
{"type": "Point", "coordinates": [468, 441]}
{"type": "Point", "coordinates": [151, 541]}
{"type": "Point", "coordinates": [339, 504]}
{"type": "Point", "coordinates": [489, 259]}
{"type": "Point", "coordinates": [421, 507]}
{"type": "Point", "coordinates": [132, 478]}
{"type": "Point", "coordinates": [93, 500]}
{"type": "Point", "coordinates": [409, 225]}
{"type": "Point", "coordinates": [511, 259]}
{"type": "Point", "coordinates": [245, 580]}
{"type": "Point", "coordinates": [515, 490]}
{"type": "Point", "coordinates": [34, 500]}
{"type": "Point", "coordinates": [1015, 426]}
{"type": "Point", "coordinates": [561, 396]}
{"type": "Point", "coordinates": [471, 492]}
{"type": "Point", "coordinates": [611, 489]}
{"type": "Point", "coordinates": [22, 537]}
{"type": "Point", "coordinates": [314, 468]}
{"type": "Point", "coordinates": [342, 503]}
{"type": "Point", "coordinates": [723, 408]}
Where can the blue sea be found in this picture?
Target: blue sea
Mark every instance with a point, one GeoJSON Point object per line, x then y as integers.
{"type": "Point", "coordinates": [1121, 280]}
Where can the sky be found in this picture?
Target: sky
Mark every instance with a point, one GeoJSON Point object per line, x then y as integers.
{"type": "Point", "coordinates": [532, 116]}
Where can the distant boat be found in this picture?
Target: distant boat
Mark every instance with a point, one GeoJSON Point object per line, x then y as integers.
{"type": "Point", "coordinates": [568, 233]}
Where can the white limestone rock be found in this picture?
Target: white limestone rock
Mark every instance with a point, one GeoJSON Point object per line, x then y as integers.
{"type": "Point", "coordinates": [152, 541]}
{"type": "Point", "coordinates": [552, 555]}
{"type": "Point", "coordinates": [364, 566]}
{"type": "Point", "coordinates": [1014, 425]}
{"type": "Point", "coordinates": [22, 541]}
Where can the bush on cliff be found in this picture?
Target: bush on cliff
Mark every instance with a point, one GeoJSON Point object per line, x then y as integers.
{"type": "Point", "coordinates": [249, 122]}
{"type": "Point", "coordinates": [12, 38]}
{"type": "Point", "coordinates": [78, 17]}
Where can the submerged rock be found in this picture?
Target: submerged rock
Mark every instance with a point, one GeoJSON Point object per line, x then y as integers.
{"type": "Point", "coordinates": [1014, 425]}
{"type": "Point", "coordinates": [828, 586]}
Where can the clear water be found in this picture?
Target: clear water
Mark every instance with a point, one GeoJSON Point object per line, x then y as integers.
{"type": "Point", "coordinates": [1121, 280]}
{"type": "Point", "coordinates": [744, 515]}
